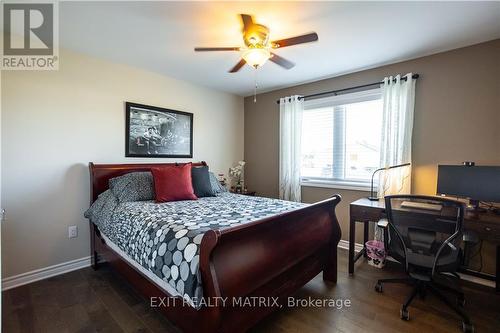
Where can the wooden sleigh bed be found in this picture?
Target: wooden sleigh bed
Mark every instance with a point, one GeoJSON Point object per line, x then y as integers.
{"type": "Point", "coordinates": [271, 257]}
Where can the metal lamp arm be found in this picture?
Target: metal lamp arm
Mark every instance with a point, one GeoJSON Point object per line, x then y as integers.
{"type": "Point", "coordinates": [373, 176]}
{"type": "Point", "coordinates": [372, 197]}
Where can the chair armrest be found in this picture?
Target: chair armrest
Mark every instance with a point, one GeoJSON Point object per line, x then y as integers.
{"type": "Point", "coordinates": [383, 223]}
{"type": "Point", "coordinates": [447, 242]}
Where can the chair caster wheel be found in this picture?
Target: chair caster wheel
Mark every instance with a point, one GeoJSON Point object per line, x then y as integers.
{"type": "Point", "coordinates": [461, 301]}
{"type": "Point", "coordinates": [467, 328]}
{"type": "Point", "coordinates": [404, 314]}
{"type": "Point", "coordinates": [378, 287]}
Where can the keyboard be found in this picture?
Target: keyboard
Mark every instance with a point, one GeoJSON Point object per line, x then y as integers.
{"type": "Point", "coordinates": [421, 205]}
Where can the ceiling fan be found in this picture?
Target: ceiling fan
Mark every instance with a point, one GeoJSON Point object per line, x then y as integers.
{"type": "Point", "coordinates": [258, 48]}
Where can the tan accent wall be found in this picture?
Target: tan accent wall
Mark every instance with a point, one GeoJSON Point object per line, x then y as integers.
{"type": "Point", "coordinates": [457, 118]}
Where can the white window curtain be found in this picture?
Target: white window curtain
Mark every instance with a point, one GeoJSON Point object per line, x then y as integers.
{"type": "Point", "coordinates": [291, 110]}
{"type": "Point", "coordinates": [397, 125]}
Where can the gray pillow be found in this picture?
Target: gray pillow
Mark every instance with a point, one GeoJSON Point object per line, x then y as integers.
{"type": "Point", "coordinates": [102, 211]}
{"type": "Point", "coordinates": [95, 210]}
{"type": "Point", "coordinates": [201, 182]}
{"type": "Point", "coordinates": [134, 186]}
{"type": "Point", "coordinates": [216, 185]}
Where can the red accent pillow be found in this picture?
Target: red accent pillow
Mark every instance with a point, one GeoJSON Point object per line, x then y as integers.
{"type": "Point", "coordinates": [173, 183]}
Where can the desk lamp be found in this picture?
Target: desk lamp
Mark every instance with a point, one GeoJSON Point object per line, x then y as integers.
{"type": "Point", "coordinates": [372, 197]}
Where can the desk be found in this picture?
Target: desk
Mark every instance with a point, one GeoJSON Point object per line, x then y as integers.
{"type": "Point", "coordinates": [485, 225]}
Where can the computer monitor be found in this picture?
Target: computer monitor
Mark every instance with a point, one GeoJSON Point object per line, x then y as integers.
{"type": "Point", "coordinates": [478, 183]}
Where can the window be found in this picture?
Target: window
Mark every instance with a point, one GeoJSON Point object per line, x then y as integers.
{"type": "Point", "coordinates": [341, 139]}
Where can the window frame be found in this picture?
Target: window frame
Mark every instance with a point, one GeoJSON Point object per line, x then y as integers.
{"type": "Point", "coordinates": [332, 101]}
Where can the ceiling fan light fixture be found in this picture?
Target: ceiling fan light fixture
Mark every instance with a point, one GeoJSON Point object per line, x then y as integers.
{"type": "Point", "coordinates": [258, 48]}
{"type": "Point", "coordinates": [256, 57]}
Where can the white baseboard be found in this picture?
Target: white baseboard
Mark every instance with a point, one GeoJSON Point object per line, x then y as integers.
{"type": "Point", "coordinates": [44, 273]}
{"type": "Point", "coordinates": [477, 280]}
{"type": "Point", "coordinates": [343, 244]}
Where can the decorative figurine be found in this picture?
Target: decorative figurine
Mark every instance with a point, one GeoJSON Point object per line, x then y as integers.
{"type": "Point", "coordinates": [236, 174]}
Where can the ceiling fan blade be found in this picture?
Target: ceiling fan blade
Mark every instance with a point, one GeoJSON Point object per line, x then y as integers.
{"type": "Point", "coordinates": [247, 21]}
{"type": "Point", "coordinates": [201, 49]}
{"type": "Point", "coordinates": [281, 61]}
{"type": "Point", "coordinates": [307, 38]}
{"type": "Point", "coordinates": [238, 66]}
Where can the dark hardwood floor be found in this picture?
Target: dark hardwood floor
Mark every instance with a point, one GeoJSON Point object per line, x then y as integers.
{"type": "Point", "coordinates": [99, 301]}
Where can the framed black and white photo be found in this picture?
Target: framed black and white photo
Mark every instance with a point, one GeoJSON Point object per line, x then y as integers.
{"type": "Point", "coordinates": [157, 132]}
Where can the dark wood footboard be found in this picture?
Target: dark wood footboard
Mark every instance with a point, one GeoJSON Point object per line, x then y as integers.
{"type": "Point", "coordinates": [266, 260]}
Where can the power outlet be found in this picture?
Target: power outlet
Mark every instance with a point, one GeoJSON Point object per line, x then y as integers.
{"type": "Point", "coordinates": [72, 231]}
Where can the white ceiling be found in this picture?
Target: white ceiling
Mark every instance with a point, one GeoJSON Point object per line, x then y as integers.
{"type": "Point", "coordinates": [160, 36]}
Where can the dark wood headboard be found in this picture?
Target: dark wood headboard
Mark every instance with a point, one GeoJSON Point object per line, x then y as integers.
{"type": "Point", "coordinates": [100, 174]}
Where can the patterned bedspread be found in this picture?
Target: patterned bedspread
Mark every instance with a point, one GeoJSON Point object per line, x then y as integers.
{"type": "Point", "coordinates": [165, 238]}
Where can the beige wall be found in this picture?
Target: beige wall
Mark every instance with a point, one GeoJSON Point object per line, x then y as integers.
{"type": "Point", "coordinates": [457, 118]}
{"type": "Point", "coordinates": [55, 122]}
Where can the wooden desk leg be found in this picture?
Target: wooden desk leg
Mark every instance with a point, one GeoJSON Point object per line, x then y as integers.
{"type": "Point", "coordinates": [352, 240]}
{"type": "Point", "coordinates": [365, 237]}
{"type": "Point", "coordinates": [497, 279]}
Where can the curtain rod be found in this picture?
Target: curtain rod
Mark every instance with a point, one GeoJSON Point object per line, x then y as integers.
{"type": "Point", "coordinates": [334, 92]}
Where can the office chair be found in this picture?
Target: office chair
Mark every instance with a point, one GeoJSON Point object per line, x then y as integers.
{"type": "Point", "coordinates": [423, 233]}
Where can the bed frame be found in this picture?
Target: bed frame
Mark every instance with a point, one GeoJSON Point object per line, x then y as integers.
{"type": "Point", "coordinates": [271, 257]}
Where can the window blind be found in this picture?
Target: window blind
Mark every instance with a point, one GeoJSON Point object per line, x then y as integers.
{"type": "Point", "coordinates": [341, 137]}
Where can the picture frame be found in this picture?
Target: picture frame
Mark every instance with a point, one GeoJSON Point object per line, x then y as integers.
{"type": "Point", "coordinates": [156, 132]}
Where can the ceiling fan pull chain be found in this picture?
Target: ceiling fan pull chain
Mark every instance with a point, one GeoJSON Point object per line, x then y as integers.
{"type": "Point", "coordinates": [255, 86]}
